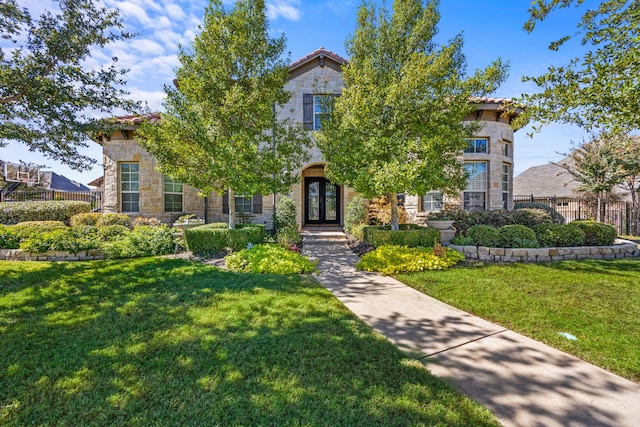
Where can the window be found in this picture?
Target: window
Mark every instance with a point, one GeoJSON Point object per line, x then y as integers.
{"type": "Point", "coordinates": [130, 187]}
{"type": "Point", "coordinates": [172, 195]}
{"type": "Point", "coordinates": [506, 149]}
{"type": "Point", "coordinates": [478, 145]}
{"type": "Point", "coordinates": [432, 202]}
{"type": "Point", "coordinates": [244, 204]}
{"type": "Point", "coordinates": [321, 109]}
{"type": "Point", "coordinates": [400, 197]}
{"type": "Point", "coordinates": [505, 185]}
{"type": "Point", "coordinates": [475, 194]}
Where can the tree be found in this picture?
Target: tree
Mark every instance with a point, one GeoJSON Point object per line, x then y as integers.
{"type": "Point", "coordinates": [596, 166]}
{"type": "Point", "coordinates": [219, 132]}
{"type": "Point", "coordinates": [46, 94]}
{"type": "Point", "coordinates": [398, 125]}
{"type": "Point", "coordinates": [601, 89]}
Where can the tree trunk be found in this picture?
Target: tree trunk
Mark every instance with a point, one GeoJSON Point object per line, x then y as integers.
{"type": "Point", "coordinates": [393, 198]}
{"type": "Point", "coordinates": [232, 209]}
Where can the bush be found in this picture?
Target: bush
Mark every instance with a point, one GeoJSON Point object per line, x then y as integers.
{"type": "Point", "coordinates": [517, 236]}
{"type": "Point", "coordinates": [154, 222]}
{"type": "Point", "coordinates": [115, 219]}
{"type": "Point", "coordinates": [109, 233]}
{"type": "Point", "coordinates": [8, 238]}
{"type": "Point", "coordinates": [558, 235]}
{"type": "Point", "coordinates": [85, 218]}
{"type": "Point", "coordinates": [462, 241]}
{"type": "Point", "coordinates": [62, 239]}
{"type": "Point", "coordinates": [15, 212]}
{"type": "Point", "coordinates": [288, 237]}
{"type": "Point", "coordinates": [596, 233]}
{"type": "Point", "coordinates": [257, 232]}
{"type": "Point", "coordinates": [464, 220]}
{"type": "Point", "coordinates": [401, 259]}
{"type": "Point", "coordinates": [528, 217]}
{"type": "Point", "coordinates": [27, 229]}
{"type": "Point", "coordinates": [379, 212]}
{"type": "Point", "coordinates": [210, 238]}
{"type": "Point", "coordinates": [414, 237]}
{"type": "Point", "coordinates": [355, 217]}
{"type": "Point", "coordinates": [484, 235]}
{"type": "Point", "coordinates": [285, 214]}
{"type": "Point", "coordinates": [143, 240]}
{"type": "Point", "coordinates": [269, 259]}
{"type": "Point", "coordinates": [556, 218]}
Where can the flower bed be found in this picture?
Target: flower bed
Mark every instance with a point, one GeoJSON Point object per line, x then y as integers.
{"type": "Point", "coordinates": [621, 249]}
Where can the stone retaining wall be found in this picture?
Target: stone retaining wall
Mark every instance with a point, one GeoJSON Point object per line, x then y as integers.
{"type": "Point", "coordinates": [18, 255]}
{"type": "Point", "coordinates": [621, 249]}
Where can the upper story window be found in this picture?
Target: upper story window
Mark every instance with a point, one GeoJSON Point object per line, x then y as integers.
{"type": "Point", "coordinates": [507, 149]}
{"type": "Point", "coordinates": [129, 187]}
{"type": "Point", "coordinates": [172, 195]}
{"type": "Point", "coordinates": [477, 145]}
{"type": "Point", "coordinates": [321, 109]}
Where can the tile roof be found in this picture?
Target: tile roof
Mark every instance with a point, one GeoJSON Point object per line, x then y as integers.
{"type": "Point", "coordinates": [136, 119]}
{"type": "Point", "coordinates": [316, 53]}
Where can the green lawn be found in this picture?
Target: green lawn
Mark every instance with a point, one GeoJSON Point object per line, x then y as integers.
{"type": "Point", "coordinates": [596, 301]}
{"type": "Point", "coordinates": [173, 342]}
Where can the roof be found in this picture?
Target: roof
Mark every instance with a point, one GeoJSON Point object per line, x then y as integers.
{"type": "Point", "coordinates": [60, 182]}
{"type": "Point", "coordinates": [545, 180]}
{"type": "Point", "coordinates": [98, 182]}
{"type": "Point", "coordinates": [319, 53]}
{"type": "Point", "coordinates": [136, 119]}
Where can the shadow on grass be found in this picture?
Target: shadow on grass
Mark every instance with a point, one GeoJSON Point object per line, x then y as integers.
{"type": "Point", "coordinates": [171, 342]}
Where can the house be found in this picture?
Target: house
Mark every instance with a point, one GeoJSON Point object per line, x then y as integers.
{"type": "Point", "coordinates": [132, 185]}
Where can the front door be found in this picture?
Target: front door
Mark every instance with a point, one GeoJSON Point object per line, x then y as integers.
{"type": "Point", "coordinates": [321, 202]}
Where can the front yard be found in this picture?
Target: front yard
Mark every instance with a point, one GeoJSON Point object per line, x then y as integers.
{"type": "Point", "coordinates": [170, 342]}
{"type": "Point", "coordinates": [596, 301]}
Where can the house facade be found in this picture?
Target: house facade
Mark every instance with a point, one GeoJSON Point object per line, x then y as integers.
{"type": "Point", "coordinates": [132, 184]}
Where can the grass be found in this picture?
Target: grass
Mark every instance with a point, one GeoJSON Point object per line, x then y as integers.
{"type": "Point", "coordinates": [172, 342]}
{"type": "Point", "coordinates": [596, 301]}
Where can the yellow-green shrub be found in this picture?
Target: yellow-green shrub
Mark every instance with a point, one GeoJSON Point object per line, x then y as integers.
{"type": "Point", "coordinates": [401, 259]}
{"type": "Point", "coordinates": [269, 259]}
{"type": "Point", "coordinates": [15, 212]}
{"type": "Point", "coordinates": [84, 218]}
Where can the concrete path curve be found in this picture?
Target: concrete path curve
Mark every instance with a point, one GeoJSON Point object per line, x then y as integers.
{"type": "Point", "coordinates": [523, 382]}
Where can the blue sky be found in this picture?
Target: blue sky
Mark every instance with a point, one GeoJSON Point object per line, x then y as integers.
{"type": "Point", "coordinates": [490, 30]}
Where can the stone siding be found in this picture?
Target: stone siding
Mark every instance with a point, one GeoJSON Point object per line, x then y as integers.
{"type": "Point", "coordinates": [621, 249]}
{"type": "Point", "coordinates": [18, 255]}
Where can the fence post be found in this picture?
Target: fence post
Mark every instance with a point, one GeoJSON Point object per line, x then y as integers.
{"type": "Point", "coordinates": [531, 198]}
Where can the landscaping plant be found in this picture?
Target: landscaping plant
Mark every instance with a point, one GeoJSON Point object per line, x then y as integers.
{"type": "Point", "coordinates": [355, 217]}
{"type": "Point", "coordinates": [392, 259]}
{"type": "Point", "coordinates": [270, 259]}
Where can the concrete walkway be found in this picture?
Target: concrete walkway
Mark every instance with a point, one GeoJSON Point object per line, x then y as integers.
{"type": "Point", "coordinates": [523, 382]}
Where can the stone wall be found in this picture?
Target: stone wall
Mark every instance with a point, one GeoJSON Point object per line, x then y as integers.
{"type": "Point", "coordinates": [621, 249]}
{"type": "Point", "coordinates": [18, 255]}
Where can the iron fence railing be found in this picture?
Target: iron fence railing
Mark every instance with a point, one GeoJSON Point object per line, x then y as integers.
{"type": "Point", "coordinates": [622, 215]}
{"type": "Point", "coordinates": [36, 195]}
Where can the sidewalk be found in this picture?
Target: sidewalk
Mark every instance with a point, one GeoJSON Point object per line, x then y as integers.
{"type": "Point", "coordinates": [523, 382]}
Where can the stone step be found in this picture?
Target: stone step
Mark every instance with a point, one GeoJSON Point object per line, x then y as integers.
{"type": "Point", "coordinates": [312, 235]}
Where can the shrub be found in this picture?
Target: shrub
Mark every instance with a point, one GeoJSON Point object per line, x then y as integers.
{"type": "Point", "coordinates": [462, 241]}
{"type": "Point", "coordinates": [528, 217]}
{"type": "Point", "coordinates": [379, 212]}
{"type": "Point", "coordinates": [269, 259]}
{"type": "Point", "coordinates": [27, 229]}
{"type": "Point", "coordinates": [256, 232]}
{"type": "Point", "coordinates": [366, 231]}
{"type": "Point", "coordinates": [154, 222]}
{"type": "Point", "coordinates": [484, 235]}
{"type": "Point", "coordinates": [84, 218]}
{"type": "Point", "coordinates": [115, 219]}
{"type": "Point", "coordinates": [556, 218]}
{"type": "Point", "coordinates": [61, 239]}
{"type": "Point", "coordinates": [558, 235]}
{"type": "Point", "coordinates": [8, 238]}
{"type": "Point", "coordinates": [517, 236]}
{"type": "Point", "coordinates": [285, 214]}
{"type": "Point", "coordinates": [109, 233]}
{"type": "Point", "coordinates": [355, 217]}
{"type": "Point", "coordinates": [401, 259]}
{"type": "Point", "coordinates": [596, 233]}
{"type": "Point", "coordinates": [143, 240]}
{"type": "Point", "coordinates": [15, 212]}
{"type": "Point", "coordinates": [288, 237]}
{"type": "Point", "coordinates": [412, 238]}
{"type": "Point", "coordinates": [207, 239]}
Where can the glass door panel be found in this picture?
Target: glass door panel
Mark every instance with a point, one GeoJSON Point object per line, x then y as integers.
{"type": "Point", "coordinates": [313, 201]}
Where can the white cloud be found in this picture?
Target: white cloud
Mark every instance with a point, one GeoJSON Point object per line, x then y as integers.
{"type": "Point", "coordinates": [147, 47]}
{"type": "Point", "coordinates": [286, 9]}
{"type": "Point", "coordinates": [175, 11]}
{"type": "Point", "coordinates": [153, 99]}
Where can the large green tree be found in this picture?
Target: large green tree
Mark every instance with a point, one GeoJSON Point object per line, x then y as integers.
{"type": "Point", "coordinates": [398, 125]}
{"type": "Point", "coordinates": [220, 132]}
{"type": "Point", "coordinates": [47, 95]}
{"type": "Point", "coordinates": [600, 89]}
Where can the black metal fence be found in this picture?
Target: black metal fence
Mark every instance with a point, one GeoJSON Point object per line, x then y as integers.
{"type": "Point", "coordinates": [621, 215]}
{"type": "Point", "coordinates": [36, 195]}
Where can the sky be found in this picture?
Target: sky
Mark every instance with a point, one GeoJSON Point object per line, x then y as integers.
{"type": "Point", "coordinates": [490, 30]}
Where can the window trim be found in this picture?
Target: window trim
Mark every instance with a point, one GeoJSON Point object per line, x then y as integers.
{"type": "Point", "coordinates": [475, 145]}
{"type": "Point", "coordinates": [472, 191]}
{"type": "Point", "coordinates": [173, 193]}
{"type": "Point", "coordinates": [317, 123]}
{"type": "Point", "coordinates": [248, 201]}
{"type": "Point", "coordinates": [505, 183]}
{"type": "Point", "coordinates": [432, 202]}
{"type": "Point", "coordinates": [121, 181]}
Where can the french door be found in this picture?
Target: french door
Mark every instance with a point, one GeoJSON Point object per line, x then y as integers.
{"type": "Point", "coordinates": [321, 201]}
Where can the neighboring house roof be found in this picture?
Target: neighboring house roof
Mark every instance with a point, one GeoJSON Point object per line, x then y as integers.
{"type": "Point", "coordinates": [54, 181]}
{"type": "Point", "coordinates": [98, 182]}
{"type": "Point", "coordinates": [545, 180]}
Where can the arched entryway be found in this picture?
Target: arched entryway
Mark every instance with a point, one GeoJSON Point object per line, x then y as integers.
{"type": "Point", "coordinates": [321, 199]}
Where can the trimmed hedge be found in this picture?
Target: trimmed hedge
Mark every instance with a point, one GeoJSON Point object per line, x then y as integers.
{"type": "Point", "coordinates": [54, 210]}
{"type": "Point", "coordinates": [484, 235]}
{"type": "Point", "coordinates": [413, 236]}
{"type": "Point", "coordinates": [368, 229]}
{"type": "Point", "coordinates": [517, 236]}
{"type": "Point", "coordinates": [558, 235]}
{"type": "Point", "coordinates": [556, 218]}
{"type": "Point", "coordinates": [464, 220]}
{"type": "Point", "coordinates": [596, 233]}
{"type": "Point", "coordinates": [210, 238]}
